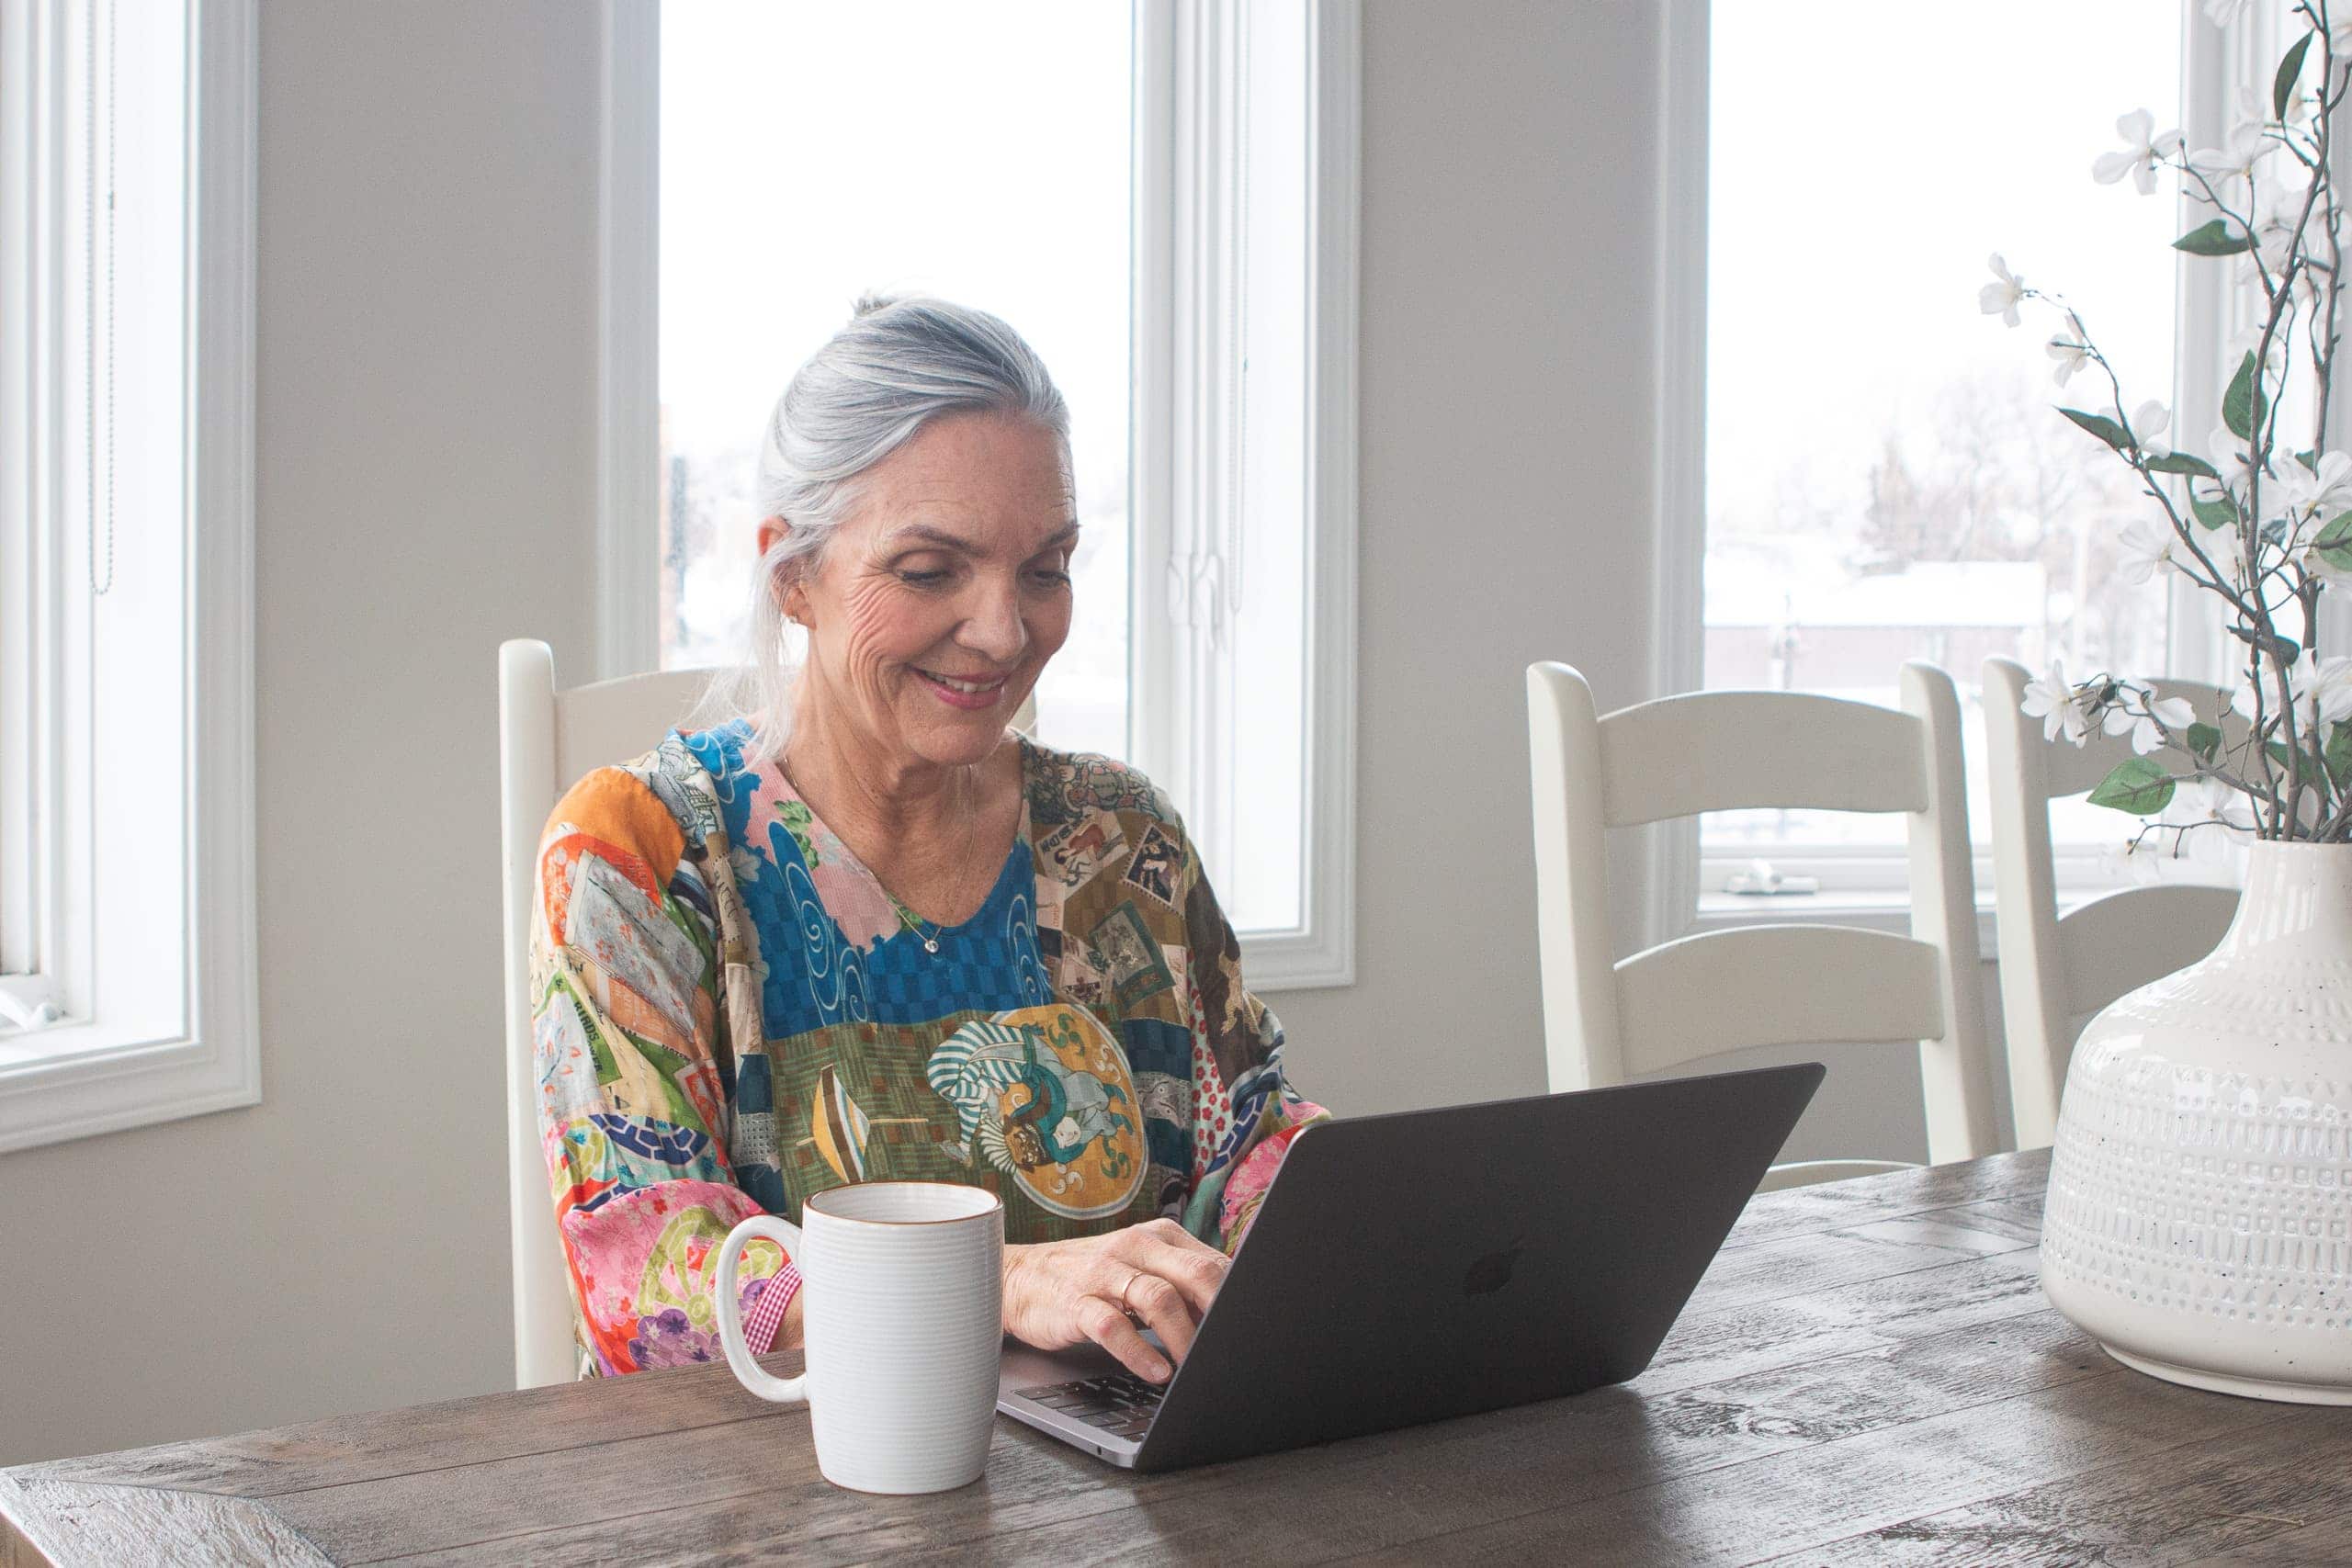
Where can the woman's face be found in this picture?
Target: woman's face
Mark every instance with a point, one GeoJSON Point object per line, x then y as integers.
{"type": "Point", "coordinates": [938, 600]}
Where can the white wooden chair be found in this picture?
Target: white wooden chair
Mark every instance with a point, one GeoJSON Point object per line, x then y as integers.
{"type": "Point", "coordinates": [2057, 969]}
{"type": "Point", "coordinates": [547, 741]}
{"type": "Point", "coordinates": [1787, 985]}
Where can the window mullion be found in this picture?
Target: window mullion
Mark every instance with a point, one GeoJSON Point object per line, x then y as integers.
{"type": "Point", "coordinates": [2214, 62]}
{"type": "Point", "coordinates": [1186, 446]}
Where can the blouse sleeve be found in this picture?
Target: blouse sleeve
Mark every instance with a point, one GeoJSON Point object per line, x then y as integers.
{"type": "Point", "coordinates": [636, 1080]}
{"type": "Point", "coordinates": [1245, 1112]}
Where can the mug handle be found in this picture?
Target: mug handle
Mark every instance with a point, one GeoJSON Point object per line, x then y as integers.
{"type": "Point", "coordinates": [785, 1233]}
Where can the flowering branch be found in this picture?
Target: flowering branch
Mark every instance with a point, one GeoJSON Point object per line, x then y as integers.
{"type": "Point", "coordinates": [2265, 528]}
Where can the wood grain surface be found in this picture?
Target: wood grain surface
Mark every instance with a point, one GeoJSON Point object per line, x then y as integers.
{"type": "Point", "coordinates": [1869, 1373]}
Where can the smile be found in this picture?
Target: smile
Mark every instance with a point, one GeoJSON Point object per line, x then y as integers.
{"type": "Point", "coordinates": [965, 693]}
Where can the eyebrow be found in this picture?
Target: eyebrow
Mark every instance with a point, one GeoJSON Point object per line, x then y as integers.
{"type": "Point", "coordinates": [910, 534]}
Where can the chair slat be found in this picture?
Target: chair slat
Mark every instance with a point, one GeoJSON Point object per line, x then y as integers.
{"type": "Point", "coordinates": [2123, 939]}
{"type": "Point", "coordinates": [612, 721]}
{"type": "Point", "coordinates": [1796, 984]}
{"type": "Point", "coordinates": [1727, 751]}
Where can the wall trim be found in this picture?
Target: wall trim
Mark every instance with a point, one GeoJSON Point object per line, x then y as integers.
{"type": "Point", "coordinates": [81, 1082]}
{"type": "Point", "coordinates": [1323, 952]}
{"type": "Point", "coordinates": [1670, 899]}
{"type": "Point", "coordinates": [629, 339]}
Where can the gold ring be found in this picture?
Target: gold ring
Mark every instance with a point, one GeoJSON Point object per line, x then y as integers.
{"type": "Point", "coordinates": [1126, 1306]}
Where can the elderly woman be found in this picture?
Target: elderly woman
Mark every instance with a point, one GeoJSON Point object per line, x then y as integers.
{"type": "Point", "coordinates": [857, 928]}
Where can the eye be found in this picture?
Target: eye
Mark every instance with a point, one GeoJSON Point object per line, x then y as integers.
{"type": "Point", "coordinates": [1050, 576]}
{"type": "Point", "coordinates": [923, 578]}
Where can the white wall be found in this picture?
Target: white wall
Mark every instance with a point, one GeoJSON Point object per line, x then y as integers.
{"type": "Point", "coordinates": [426, 374]}
{"type": "Point", "coordinates": [427, 226]}
{"type": "Point", "coordinates": [1509, 203]}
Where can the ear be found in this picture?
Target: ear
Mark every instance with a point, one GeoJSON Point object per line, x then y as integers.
{"type": "Point", "coordinates": [791, 594]}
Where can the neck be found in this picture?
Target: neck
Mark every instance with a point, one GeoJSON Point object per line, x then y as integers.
{"type": "Point", "coordinates": [874, 796]}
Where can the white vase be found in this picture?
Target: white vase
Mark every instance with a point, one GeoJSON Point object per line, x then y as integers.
{"type": "Point", "coordinates": [2201, 1189]}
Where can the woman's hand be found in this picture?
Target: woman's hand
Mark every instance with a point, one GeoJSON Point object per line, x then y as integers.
{"type": "Point", "coordinates": [1059, 1293]}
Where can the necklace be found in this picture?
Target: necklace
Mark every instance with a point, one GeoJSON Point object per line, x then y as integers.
{"type": "Point", "coordinates": [908, 919]}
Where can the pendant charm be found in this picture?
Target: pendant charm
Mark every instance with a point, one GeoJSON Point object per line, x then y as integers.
{"type": "Point", "coordinates": [931, 944]}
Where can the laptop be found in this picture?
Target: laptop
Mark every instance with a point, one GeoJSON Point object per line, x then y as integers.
{"type": "Point", "coordinates": [1428, 1264]}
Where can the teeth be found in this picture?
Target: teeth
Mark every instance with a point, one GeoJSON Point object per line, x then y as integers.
{"type": "Point", "coordinates": [969, 688]}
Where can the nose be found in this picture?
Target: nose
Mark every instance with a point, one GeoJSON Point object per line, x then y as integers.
{"type": "Point", "coordinates": [992, 625]}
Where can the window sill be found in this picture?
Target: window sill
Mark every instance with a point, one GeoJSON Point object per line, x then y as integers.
{"type": "Point", "coordinates": [78, 1080]}
{"type": "Point", "coordinates": [1887, 911]}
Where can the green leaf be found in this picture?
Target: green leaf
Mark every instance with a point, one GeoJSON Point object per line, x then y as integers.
{"type": "Point", "coordinates": [2140, 786]}
{"type": "Point", "coordinates": [2282, 648]}
{"type": "Point", "coordinates": [2333, 543]}
{"type": "Point", "coordinates": [2204, 740]}
{"type": "Point", "coordinates": [2099, 425]}
{"type": "Point", "coordinates": [2244, 406]}
{"type": "Point", "coordinates": [2282, 88]}
{"type": "Point", "coordinates": [2214, 238]}
{"type": "Point", "coordinates": [2339, 752]}
{"type": "Point", "coordinates": [2183, 463]}
{"type": "Point", "coordinates": [2214, 514]}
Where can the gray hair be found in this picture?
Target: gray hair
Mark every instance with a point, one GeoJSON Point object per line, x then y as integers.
{"type": "Point", "coordinates": [900, 363]}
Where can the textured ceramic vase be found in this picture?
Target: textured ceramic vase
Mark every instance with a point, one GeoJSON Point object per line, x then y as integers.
{"type": "Point", "coordinates": [2201, 1189]}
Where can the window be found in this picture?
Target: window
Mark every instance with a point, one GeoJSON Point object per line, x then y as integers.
{"type": "Point", "coordinates": [1162, 198]}
{"type": "Point", "coordinates": [1885, 477]}
{"type": "Point", "coordinates": [126, 285]}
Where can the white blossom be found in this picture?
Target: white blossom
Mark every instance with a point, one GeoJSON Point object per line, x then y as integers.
{"type": "Point", "coordinates": [2171, 713]}
{"type": "Point", "coordinates": [2147, 422]}
{"type": "Point", "coordinates": [2216, 801]}
{"type": "Point", "coordinates": [2059, 707]}
{"type": "Point", "coordinates": [2306, 494]}
{"type": "Point", "coordinates": [2281, 229]}
{"type": "Point", "coordinates": [2141, 150]}
{"type": "Point", "coordinates": [2321, 695]}
{"type": "Point", "coordinates": [2000, 297]}
{"type": "Point", "coordinates": [2149, 542]}
{"type": "Point", "coordinates": [2230, 458]}
{"type": "Point", "coordinates": [2246, 145]}
{"type": "Point", "coordinates": [2071, 356]}
{"type": "Point", "coordinates": [2330, 691]}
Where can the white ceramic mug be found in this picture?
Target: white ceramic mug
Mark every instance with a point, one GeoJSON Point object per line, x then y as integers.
{"type": "Point", "coordinates": [902, 1309]}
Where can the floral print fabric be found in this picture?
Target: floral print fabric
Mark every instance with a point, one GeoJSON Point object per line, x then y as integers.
{"type": "Point", "coordinates": [732, 1014]}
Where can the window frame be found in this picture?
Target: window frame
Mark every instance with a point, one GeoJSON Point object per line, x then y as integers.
{"type": "Point", "coordinates": [130, 1049]}
{"type": "Point", "coordinates": [1186, 364]}
{"type": "Point", "coordinates": [1864, 885]}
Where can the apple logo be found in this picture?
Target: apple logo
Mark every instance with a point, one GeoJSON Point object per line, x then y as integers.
{"type": "Point", "coordinates": [1490, 1273]}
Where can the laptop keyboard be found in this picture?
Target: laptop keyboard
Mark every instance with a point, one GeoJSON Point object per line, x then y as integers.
{"type": "Point", "coordinates": [1120, 1403]}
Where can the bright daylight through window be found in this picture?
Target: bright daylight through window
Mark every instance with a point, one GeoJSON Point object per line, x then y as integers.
{"type": "Point", "coordinates": [811, 153]}
{"type": "Point", "coordinates": [1160, 197]}
{"type": "Point", "coordinates": [1887, 476]}
{"type": "Point", "coordinates": [125, 751]}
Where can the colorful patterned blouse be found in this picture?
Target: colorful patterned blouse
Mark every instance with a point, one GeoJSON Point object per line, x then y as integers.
{"type": "Point", "coordinates": [732, 1013]}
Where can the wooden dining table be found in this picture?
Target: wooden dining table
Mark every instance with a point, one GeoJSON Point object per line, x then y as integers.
{"type": "Point", "coordinates": [1869, 1373]}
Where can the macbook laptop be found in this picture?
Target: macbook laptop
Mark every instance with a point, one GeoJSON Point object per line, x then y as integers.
{"type": "Point", "coordinates": [1430, 1264]}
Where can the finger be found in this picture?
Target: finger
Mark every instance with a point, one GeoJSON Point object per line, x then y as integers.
{"type": "Point", "coordinates": [1193, 1268]}
{"type": "Point", "coordinates": [1164, 1310]}
{"type": "Point", "coordinates": [1105, 1324]}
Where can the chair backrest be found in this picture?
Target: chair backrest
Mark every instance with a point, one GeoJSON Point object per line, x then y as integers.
{"type": "Point", "coordinates": [547, 741]}
{"type": "Point", "coordinates": [2056, 969]}
{"type": "Point", "coordinates": [1606, 1021]}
